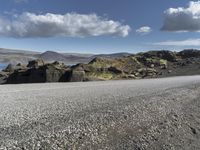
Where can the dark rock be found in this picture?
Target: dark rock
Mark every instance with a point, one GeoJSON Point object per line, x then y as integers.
{"type": "Point", "coordinates": [9, 68]}
{"type": "Point", "coordinates": [3, 77]}
{"type": "Point", "coordinates": [81, 67]}
{"type": "Point", "coordinates": [27, 76]}
{"type": "Point", "coordinates": [39, 73]}
{"type": "Point", "coordinates": [115, 70]}
{"type": "Point", "coordinates": [189, 53]}
{"type": "Point", "coordinates": [167, 55]}
{"type": "Point", "coordinates": [19, 64]}
{"type": "Point", "coordinates": [77, 76]}
{"type": "Point", "coordinates": [36, 63]}
{"type": "Point", "coordinates": [20, 67]}
{"type": "Point", "coordinates": [46, 73]}
{"type": "Point", "coordinates": [56, 63]}
{"type": "Point", "coordinates": [194, 131]}
{"type": "Point", "coordinates": [54, 74]}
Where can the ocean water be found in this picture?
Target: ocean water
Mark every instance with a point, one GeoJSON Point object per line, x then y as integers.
{"type": "Point", "coordinates": [2, 66]}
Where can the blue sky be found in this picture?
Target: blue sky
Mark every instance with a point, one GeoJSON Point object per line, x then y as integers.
{"type": "Point", "coordinates": [120, 26]}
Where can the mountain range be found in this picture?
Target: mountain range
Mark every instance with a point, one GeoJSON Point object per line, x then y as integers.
{"type": "Point", "coordinates": [11, 56]}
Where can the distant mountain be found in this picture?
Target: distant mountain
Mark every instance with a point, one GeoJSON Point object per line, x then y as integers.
{"type": "Point", "coordinates": [65, 58]}
{"type": "Point", "coordinates": [22, 56]}
{"type": "Point", "coordinates": [51, 56]}
{"type": "Point", "coordinates": [74, 58]}
{"type": "Point", "coordinates": [16, 56]}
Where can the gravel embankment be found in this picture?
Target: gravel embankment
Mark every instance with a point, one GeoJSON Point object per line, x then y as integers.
{"type": "Point", "coordinates": [119, 115]}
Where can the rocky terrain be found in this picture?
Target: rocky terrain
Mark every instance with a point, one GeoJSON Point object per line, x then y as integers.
{"type": "Point", "coordinates": [152, 64]}
{"type": "Point", "coordinates": [149, 114]}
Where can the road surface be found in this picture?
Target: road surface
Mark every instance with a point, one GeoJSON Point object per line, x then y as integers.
{"type": "Point", "coordinates": [119, 115]}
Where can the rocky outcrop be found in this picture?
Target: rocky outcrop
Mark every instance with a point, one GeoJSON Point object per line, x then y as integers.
{"type": "Point", "coordinates": [9, 68]}
{"type": "Point", "coordinates": [166, 55]}
{"type": "Point", "coordinates": [143, 65]}
{"type": "Point", "coordinates": [77, 76]}
{"type": "Point", "coordinates": [35, 63]}
{"type": "Point", "coordinates": [3, 77]}
{"type": "Point", "coordinates": [189, 53]}
{"type": "Point", "coordinates": [38, 72]}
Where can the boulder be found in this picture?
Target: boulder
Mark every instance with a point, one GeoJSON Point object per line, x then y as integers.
{"type": "Point", "coordinates": [35, 63]}
{"type": "Point", "coordinates": [77, 76]}
{"type": "Point", "coordinates": [9, 68]}
{"type": "Point", "coordinates": [32, 75]}
{"type": "Point", "coordinates": [54, 74]}
{"type": "Point", "coordinates": [145, 72]}
{"type": "Point", "coordinates": [20, 67]}
{"type": "Point", "coordinates": [115, 70]}
{"type": "Point", "coordinates": [3, 77]}
{"type": "Point", "coordinates": [81, 67]}
{"type": "Point", "coordinates": [46, 73]}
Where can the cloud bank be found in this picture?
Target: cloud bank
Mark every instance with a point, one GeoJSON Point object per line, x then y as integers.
{"type": "Point", "coordinates": [183, 19]}
{"type": "Point", "coordinates": [144, 30]}
{"type": "Point", "coordinates": [188, 42]}
{"type": "Point", "coordinates": [67, 25]}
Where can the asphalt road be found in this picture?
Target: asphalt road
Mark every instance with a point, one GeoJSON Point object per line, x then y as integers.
{"type": "Point", "coordinates": [119, 115]}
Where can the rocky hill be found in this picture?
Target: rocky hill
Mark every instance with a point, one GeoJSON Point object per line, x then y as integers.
{"type": "Point", "coordinates": [152, 64]}
{"type": "Point", "coordinates": [50, 56]}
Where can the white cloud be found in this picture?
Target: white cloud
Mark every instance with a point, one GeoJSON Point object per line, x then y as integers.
{"type": "Point", "coordinates": [67, 25]}
{"type": "Point", "coordinates": [144, 30]}
{"type": "Point", "coordinates": [188, 42]}
{"type": "Point", "coordinates": [183, 19]}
